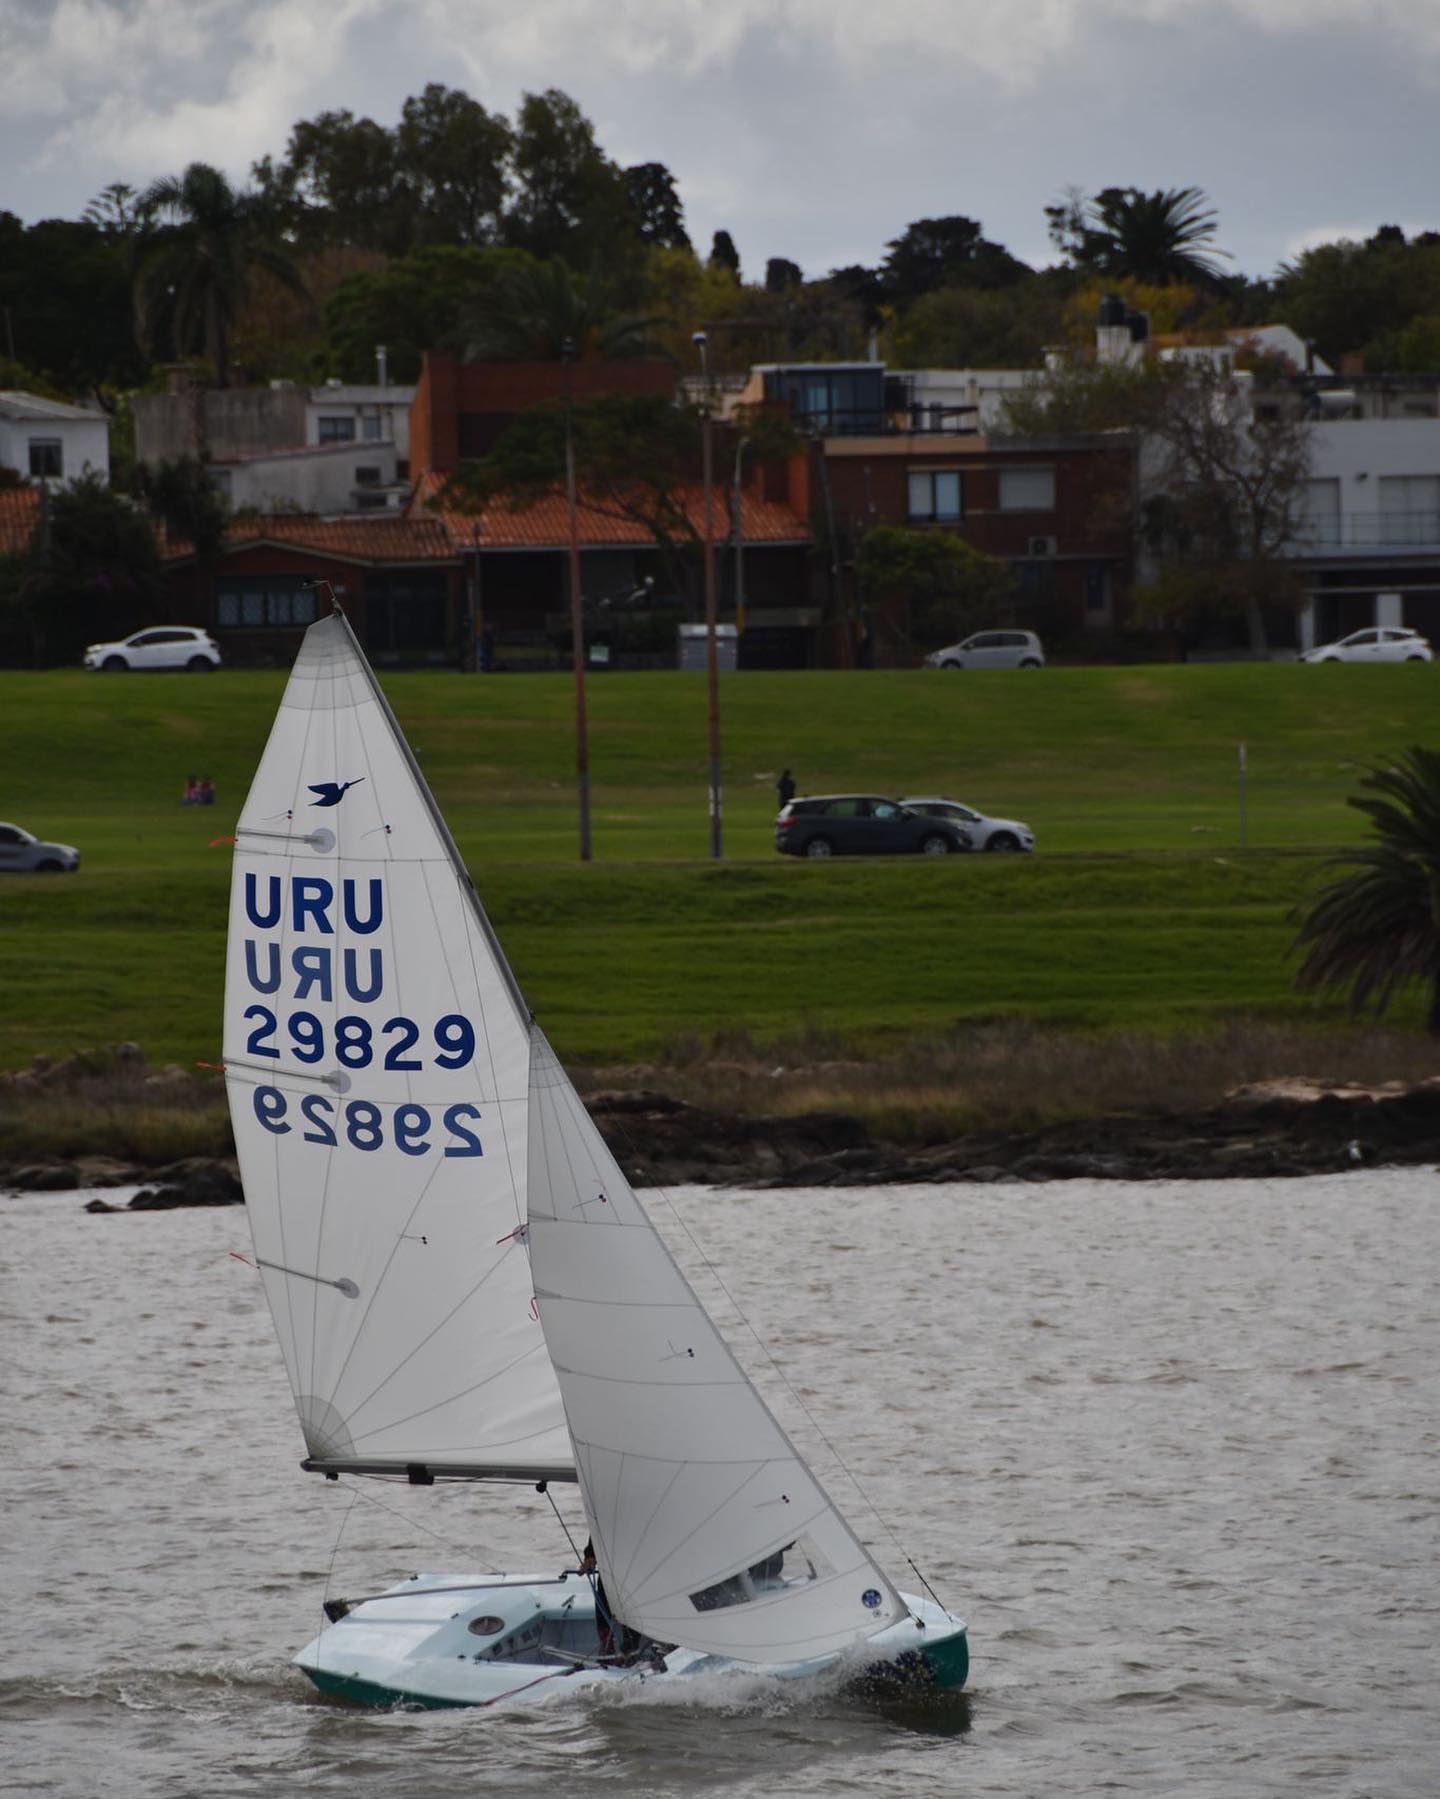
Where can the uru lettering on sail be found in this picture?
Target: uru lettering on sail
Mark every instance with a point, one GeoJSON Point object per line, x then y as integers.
{"type": "Point", "coordinates": [314, 968]}
{"type": "Point", "coordinates": [312, 898]}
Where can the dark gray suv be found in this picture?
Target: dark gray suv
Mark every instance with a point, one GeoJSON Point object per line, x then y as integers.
{"type": "Point", "coordinates": [863, 824]}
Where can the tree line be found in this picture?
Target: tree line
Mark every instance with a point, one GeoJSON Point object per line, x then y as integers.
{"type": "Point", "coordinates": [362, 233]}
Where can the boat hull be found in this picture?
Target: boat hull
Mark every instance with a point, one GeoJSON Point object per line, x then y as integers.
{"type": "Point", "coordinates": [439, 1642]}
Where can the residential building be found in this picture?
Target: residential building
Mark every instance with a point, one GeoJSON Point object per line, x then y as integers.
{"type": "Point", "coordinates": [51, 441]}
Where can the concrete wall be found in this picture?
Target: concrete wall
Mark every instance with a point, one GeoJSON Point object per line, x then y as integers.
{"type": "Point", "coordinates": [231, 421]}
{"type": "Point", "coordinates": [319, 480]}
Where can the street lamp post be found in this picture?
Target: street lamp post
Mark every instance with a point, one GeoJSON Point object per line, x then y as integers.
{"type": "Point", "coordinates": [577, 608]}
{"type": "Point", "coordinates": [712, 660]}
{"type": "Point", "coordinates": [739, 547]}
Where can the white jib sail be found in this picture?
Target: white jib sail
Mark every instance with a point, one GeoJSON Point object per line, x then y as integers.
{"type": "Point", "coordinates": [377, 1060]}
{"type": "Point", "coordinates": [709, 1529]}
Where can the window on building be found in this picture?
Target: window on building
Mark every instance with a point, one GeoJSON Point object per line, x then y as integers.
{"type": "Point", "coordinates": [335, 429]}
{"type": "Point", "coordinates": [222, 480]}
{"type": "Point", "coordinates": [262, 602]}
{"type": "Point", "coordinates": [47, 457]}
{"type": "Point", "coordinates": [372, 428]}
{"type": "Point", "coordinates": [367, 475]}
{"type": "Point", "coordinates": [1318, 519]}
{"type": "Point", "coordinates": [1409, 509]}
{"type": "Point", "coordinates": [934, 493]}
{"type": "Point", "coordinates": [1027, 490]}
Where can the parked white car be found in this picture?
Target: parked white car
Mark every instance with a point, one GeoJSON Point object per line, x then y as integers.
{"type": "Point", "coordinates": [999, 835]}
{"type": "Point", "coordinates": [991, 649]}
{"type": "Point", "coordinates": [162, 646]}
{"type": "Point", "coordinates": [21, 852]}
{"type": "Point", "coordinates": [1384, 643]}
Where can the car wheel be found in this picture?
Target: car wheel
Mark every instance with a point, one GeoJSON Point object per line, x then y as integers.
{"type": "Point", "coordinates": [115, 665]}
{"type": "Point", "coordinates": [49, 867]}
{"type": "Point", "coordinates": [1414, 658]}
{"type": "Point", "coordinates": [1003, 843]}
{"type": "Point", "coordinates": [952, 664]}
{"type": "Point", "coordinates": [1029, 662]}
{"type": "Point", "coordinates": [935, 846]}
{"type": "Point", "coordinates": [200, 664]}
{"type": "Point", "coordinates": [819, 846]}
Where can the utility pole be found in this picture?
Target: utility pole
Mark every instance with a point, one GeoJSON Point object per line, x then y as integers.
{"type": "Point", "coordinates": [712, 660]}
{"type": "Point", "coordinates": [577, 608]}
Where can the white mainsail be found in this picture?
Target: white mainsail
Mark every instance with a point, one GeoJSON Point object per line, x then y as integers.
{"type": "Point", "coordinates": [709, 1529]}
{"type": "Point", "coordinates": [377, 1057]}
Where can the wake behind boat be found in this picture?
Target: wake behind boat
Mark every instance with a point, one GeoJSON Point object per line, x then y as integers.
{"type": "Point", "coordinates": [464, 1285]}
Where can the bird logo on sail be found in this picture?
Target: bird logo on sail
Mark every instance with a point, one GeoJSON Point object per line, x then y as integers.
{"type": "Point", "coordinates": [331, 792]}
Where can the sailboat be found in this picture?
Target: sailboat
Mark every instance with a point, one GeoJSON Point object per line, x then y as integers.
{"type": "Point", "coordinates": [466, 1288]}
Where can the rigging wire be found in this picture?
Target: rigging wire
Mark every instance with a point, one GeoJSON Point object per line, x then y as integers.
{"type": "Point", "coordinates": [779, 1372]}
{"type": "Point", "coordinates": [488, 1558]}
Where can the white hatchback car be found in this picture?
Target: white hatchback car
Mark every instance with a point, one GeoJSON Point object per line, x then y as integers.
{"type": "Point", "coordinates": [991, 649]}
{"type": "Point", "coordinates": [1000, 835]}
{"type": "Point", "coordinates": [22, 852]}
{"type": "Point", "coordinates": [1384, 643]}
{"type": "Point", "coordinates": [163, 646]}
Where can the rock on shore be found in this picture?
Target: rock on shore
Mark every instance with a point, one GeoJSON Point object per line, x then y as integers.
{"type": "Point", "coordinates": [1267, 1131]}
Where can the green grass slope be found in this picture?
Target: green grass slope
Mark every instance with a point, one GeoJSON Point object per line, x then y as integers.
{"type": "Point", "coordinates": [1140, 909]}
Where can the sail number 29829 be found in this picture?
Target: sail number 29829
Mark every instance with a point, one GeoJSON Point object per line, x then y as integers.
{"type": "Point", "coordinates": [412, 1129]}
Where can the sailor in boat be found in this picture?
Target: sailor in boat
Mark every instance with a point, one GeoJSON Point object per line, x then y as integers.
{"type": "Point", "coordinates": [632, 1647]}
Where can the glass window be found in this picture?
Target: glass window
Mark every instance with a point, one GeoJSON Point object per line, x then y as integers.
{"type": "Point", "coordinates": [47, 457]}
{"type": "Point", "coordinates": [372, 427]}
{"type": "Point", "coordinates": [9, 835]}
{"type": "Point", "coordinates": [1027, 490]}
{"type": "Point", "coordinates": [843, 809]}
{"type": "Point", "coordinates": [935, 494]}
{"type": "Point", "coordinates": [334, 430]}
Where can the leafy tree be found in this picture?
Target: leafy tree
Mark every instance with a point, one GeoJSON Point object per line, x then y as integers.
{"type": "Point", "coordinates": [341, 182]}
{"type": "Point", "coordinates": [569, 199]}
{"type": "Point", "coordinates": [724, 255]}
{"type": "Point", "coordinates": [940, 586]}
{"type": "Point", "coordinates": [1362, 297]}
{"type": "Point", "coordinates": [93, 572]}
{"type": "Point", "coordinates": [1160, 237]}
{"type": "Point", "coordinates": [947, 252]}
{"type": "Point", "coordinates": [199, 245]}
{"type": "Point", "coordinates": [65, 295]}
{"type": "Point", "coordinates": [865, 288]}
{"type": "Point", "coordinates": [534, 310]}
{"type": "Point", "coordinates": [452, 157]}
{"type": "Point", "coordinates": [182, 496]}
{"type": "Point", "coordinates": [655, 206]}
{"type": "Point", "coordinates": [781, 275]}
{"type": "Point", "coordinates": [115, 210]}
{"type": "Point", "coordinates": [422, 301]}
{"type": "Point", "coordinates": [970, 327]}
{"type": "Point", "coordinates": [635, 455]}
{"type": "Point", "coordinates": [1376, 929]}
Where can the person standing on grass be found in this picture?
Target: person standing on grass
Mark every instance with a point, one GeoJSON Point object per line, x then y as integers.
{"type": "Point", "coordinates": [785, 788]}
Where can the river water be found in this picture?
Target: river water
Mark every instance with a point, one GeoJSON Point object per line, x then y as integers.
{"type": "Point", "coordinates": [1170, 1447]}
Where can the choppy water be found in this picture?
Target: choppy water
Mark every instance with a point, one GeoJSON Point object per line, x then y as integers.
{"type": "Point", "coordinates": [1172, 1448]}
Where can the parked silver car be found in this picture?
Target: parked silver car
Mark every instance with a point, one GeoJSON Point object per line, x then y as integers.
{"type": "Point", "coordinates": [23, 853]}
{"type": "Point", "coordinates": [991, 649]}
{"type": "Point", "coordinates": [1381, 643]}
{"type": "Point", "coordinates": [162, 646]}
{"type": "Point", "coordinates": [1000, 835]}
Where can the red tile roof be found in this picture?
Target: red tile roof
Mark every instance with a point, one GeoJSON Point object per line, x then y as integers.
{"type": "Point", "coordinates": [545, 525]}
{"type": "Point", "coordinates": [19, 512]}
{"type": "Point", "coordinates": [355, 539]}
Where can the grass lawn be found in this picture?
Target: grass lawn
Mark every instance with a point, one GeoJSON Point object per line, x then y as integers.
{"type": "Point", "coordinates": [1141, 911]}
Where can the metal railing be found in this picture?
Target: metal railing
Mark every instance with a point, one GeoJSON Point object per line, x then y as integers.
{"type": "Point", "coordinates": [1369, 531]}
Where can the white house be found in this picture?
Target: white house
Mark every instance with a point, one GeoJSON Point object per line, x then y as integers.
{"type": "Point", "coordinates": [48, 440]}
{"type": "Point", "coordinates": [341, 413]}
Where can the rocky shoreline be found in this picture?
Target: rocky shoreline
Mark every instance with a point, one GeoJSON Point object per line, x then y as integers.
{"type": "Point", "coordinates": [1269, 1131]}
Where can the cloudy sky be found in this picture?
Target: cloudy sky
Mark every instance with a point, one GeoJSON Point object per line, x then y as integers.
{"type": "Point", "coordinates": [813, 129]}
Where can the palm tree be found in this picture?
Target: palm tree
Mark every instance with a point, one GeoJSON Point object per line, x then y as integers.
{"type": "Point", "coordinates": [1378, 927]}
{"type": "Point", "coordinates": [199, 242]}
{"type": "Point", "coordinates": [536, 309]}
{"type": "Point", "coordinates": [1160, 238]}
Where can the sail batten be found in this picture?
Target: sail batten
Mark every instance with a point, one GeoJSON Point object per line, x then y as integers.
{"type": "Point", "coordinates": [377, 1053]}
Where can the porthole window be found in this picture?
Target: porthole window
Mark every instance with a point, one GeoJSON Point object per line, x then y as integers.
{"type": "Point", "coordinates": [485, 1627]}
